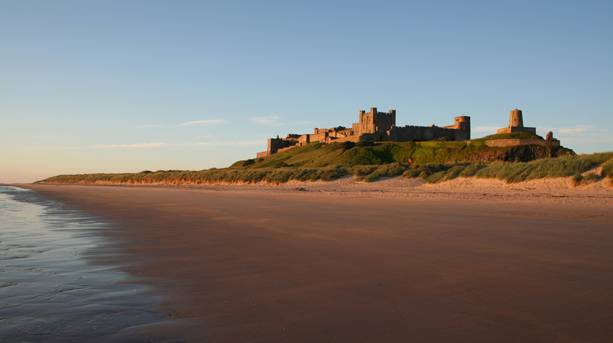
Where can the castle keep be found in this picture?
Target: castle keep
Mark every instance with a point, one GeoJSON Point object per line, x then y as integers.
{"type": "Point", "coordinates": [373, 126]}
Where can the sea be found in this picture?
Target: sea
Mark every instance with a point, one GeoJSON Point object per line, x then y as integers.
{"type": "Point", "coordinates": [52, 286]}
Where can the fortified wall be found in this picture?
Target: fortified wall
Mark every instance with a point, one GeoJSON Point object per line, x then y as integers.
{"type": "Point", "coordinates": [459, 131]}
{"type": "Point", "coordinates": [372, 126]}
{"type": "Point", "coordinates": [375, 126]}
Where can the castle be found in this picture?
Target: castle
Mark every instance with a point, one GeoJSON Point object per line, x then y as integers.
{"type": "Point", "coordinates": [373, 126]}
{"type": "Point", "coordinates": [516, 124]}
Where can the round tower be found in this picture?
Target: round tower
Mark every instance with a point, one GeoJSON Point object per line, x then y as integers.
{"type": "Point", "coordinates": [516, 118]}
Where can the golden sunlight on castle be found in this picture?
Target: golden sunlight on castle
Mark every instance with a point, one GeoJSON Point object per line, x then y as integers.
{"type": "Point", "coordinates": [373, 126]}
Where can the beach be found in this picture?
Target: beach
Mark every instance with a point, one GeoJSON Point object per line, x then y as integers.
{"type": "Point", "coordinates": [55, 285]}
{"type": "Point", "coordinates": [343, 263]}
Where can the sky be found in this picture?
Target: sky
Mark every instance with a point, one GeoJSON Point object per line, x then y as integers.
{"type": "Point", "coordinates": [125, 86]}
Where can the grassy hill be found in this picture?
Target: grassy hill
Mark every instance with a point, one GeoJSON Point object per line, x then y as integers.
{"type": "Point", "coordinates": [415, 153]}
{"type": "Point", "coordinates": [433, 161]}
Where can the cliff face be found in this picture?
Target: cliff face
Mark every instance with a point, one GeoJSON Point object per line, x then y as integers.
{"type": "Point", "coordinates": [523, 153]}
{"type": "Point", "coordinates": [532, 152]}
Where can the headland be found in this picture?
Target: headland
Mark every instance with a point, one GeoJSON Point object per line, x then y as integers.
{"type": "Point", "coordinates": [375, 148]}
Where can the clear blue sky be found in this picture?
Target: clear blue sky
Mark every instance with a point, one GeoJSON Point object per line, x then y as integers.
{"type": "Point", "coordinates": [114, 86]}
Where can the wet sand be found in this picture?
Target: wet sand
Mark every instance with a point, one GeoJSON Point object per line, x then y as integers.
{"type": "Point", "coordinates": [262, 266]}
{"type": "Point", "coordinates": [50, 293]}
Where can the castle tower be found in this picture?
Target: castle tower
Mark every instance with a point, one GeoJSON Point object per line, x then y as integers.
{"type": "Point", "coordinates": [516, 118]}
{"type": "Point", "coordinates": [516, 124]}
{"type": "Point", "coordinates": [375, 122]}
{"type": "Point", "coordinates": [462, 123]}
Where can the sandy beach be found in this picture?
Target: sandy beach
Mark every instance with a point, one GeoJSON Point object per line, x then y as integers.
{"type": "Point", "coordinates": [346, 263]}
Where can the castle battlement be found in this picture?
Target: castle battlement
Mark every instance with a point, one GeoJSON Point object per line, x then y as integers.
{"type": "Point", "coordinates": [373, 126]}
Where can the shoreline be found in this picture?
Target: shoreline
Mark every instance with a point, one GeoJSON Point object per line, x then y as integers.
{"type": "Point", "coordinates": [269, 266]}
{"type": "Point", "coordinates": [57, 281]}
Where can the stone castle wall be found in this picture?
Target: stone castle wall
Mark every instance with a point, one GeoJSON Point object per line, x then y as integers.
{"type": "Point", "coordinates": [516, 124]}
{"type": "Point", "coordinates": [424, 133]}
{"type": "Point", "coordinates": [373, 126]}
{"type": "Point", "coordinates": [374, 121]}
{"type": "Point", "coordinates": [275, 144]}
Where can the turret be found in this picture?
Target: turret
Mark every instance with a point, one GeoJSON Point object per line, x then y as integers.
{"type": "Point", "coordinates": [516, 124]}
{"type": "Point", "coordinates": [516, 118]}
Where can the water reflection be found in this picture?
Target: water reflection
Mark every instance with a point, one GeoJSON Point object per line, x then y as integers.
{"type": "Point", "coordinates": [49, 292]}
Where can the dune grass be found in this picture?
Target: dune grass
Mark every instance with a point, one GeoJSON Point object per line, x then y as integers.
{"type": "Point", "coordinates": [209, 176]}
{"type": "Point", "coordinates": [607, 168]}
{"type": "Point", "coordinates": [432, 161]}
{"type": "Point", "coordinates": [431, 172]}
{"type": "Point", "coordinates": [564, 166]}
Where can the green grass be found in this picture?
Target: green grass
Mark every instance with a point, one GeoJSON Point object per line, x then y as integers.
{"type": "Point", "coordinates": [349, 154]}
{"type": "Point", "coordinates": [521, 171]}
{"type": "Point", "coordinates": [514, 135]}
{"type": "Point", "coordinates": [434, 161]}
{"type": "Point", "coordinates": [225, 175]}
